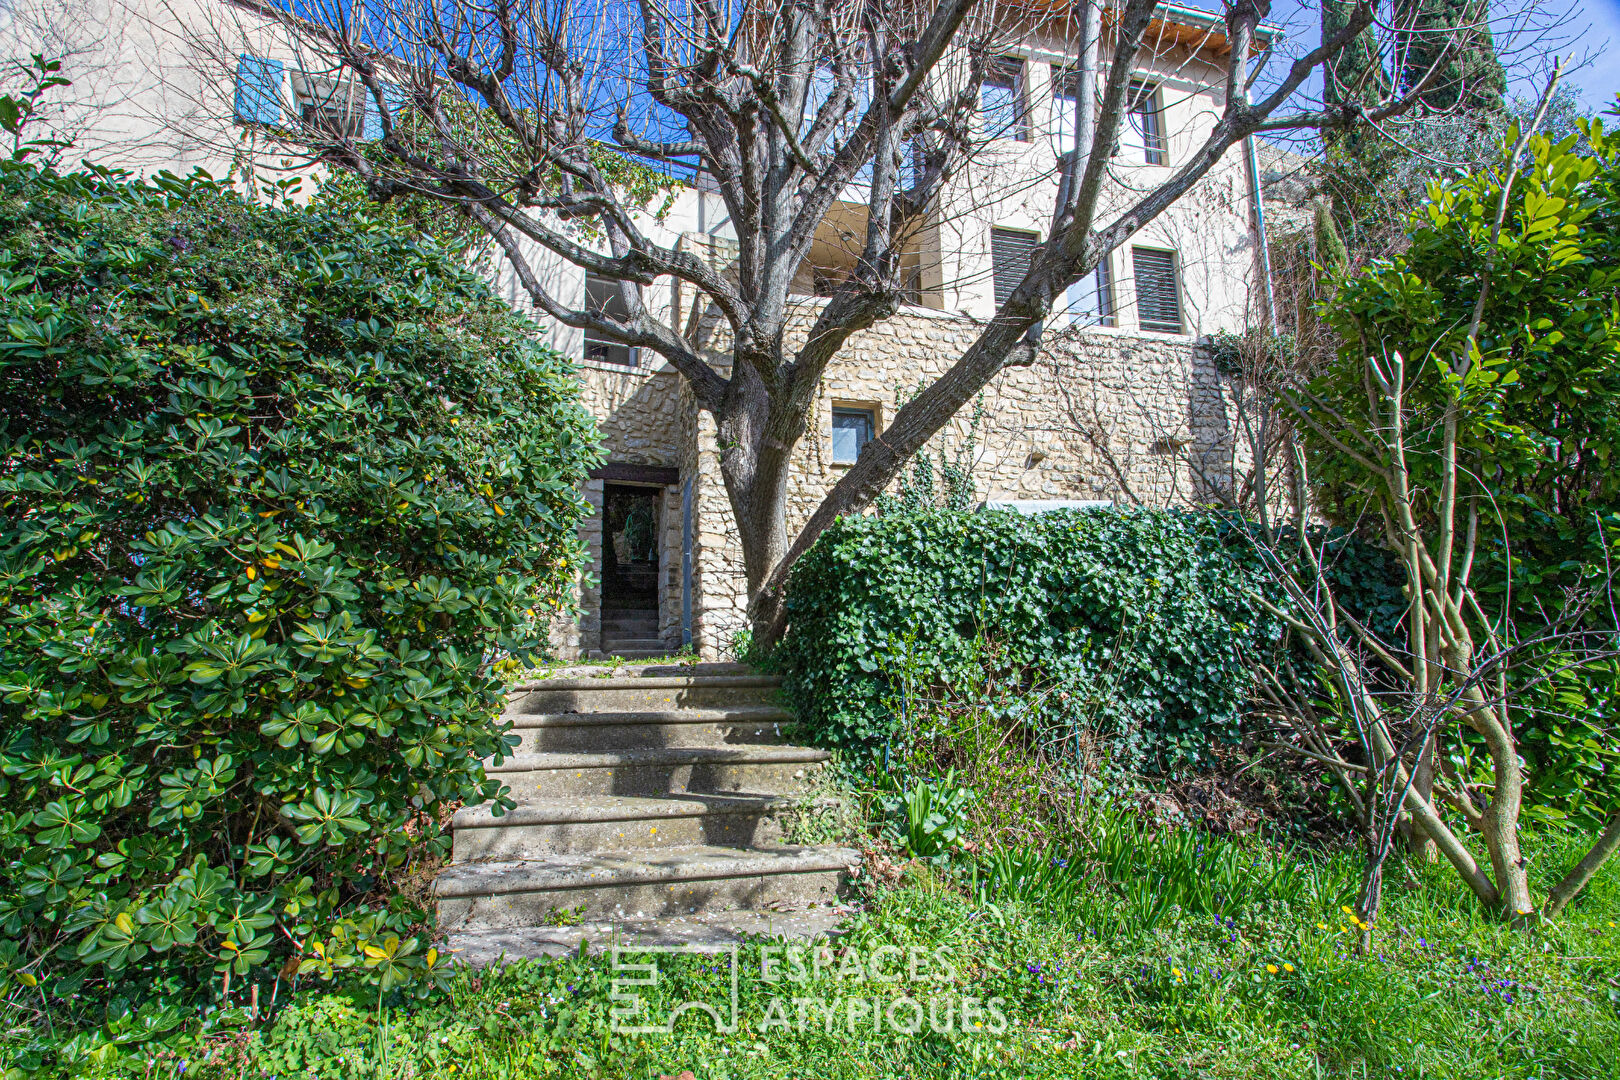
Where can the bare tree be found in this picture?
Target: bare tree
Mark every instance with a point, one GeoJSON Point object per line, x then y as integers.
{"type": "Point", "coordinates": [521, 115]}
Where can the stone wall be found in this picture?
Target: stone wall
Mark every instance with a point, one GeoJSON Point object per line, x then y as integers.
{"type": "Point", "coordinates": [1140, 419]}
{"type": "Point", "coordinates": [639, 412]}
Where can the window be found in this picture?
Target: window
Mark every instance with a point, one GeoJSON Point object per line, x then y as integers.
{"type": "Point", "coordinates": [604, 297]}
{"type": "Point", "coordinates": [1144, 127]}
{"type": "Point", "coordinates": [1158, 290]}
{"type": "Point", "coordinates": [258, 90]}
{"type": "Point", "coordinates": [333, 106]}
{"type": "Point", "coordinates": [1090, 301]}
{"type": "Point", "coordinates": [1065, 108]}
{"type": "Point", "coordinates": [1001, 100]}
{"type": "Point", "coordinates": [1010, 251]}
{"type": "Point", "coordinates": [852, 429]}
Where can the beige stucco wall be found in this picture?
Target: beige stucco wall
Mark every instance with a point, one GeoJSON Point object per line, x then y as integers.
{"type": "Point", "coordinates": [153, 82]}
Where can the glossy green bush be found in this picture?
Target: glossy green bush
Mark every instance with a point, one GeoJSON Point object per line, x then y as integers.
{"type": "Point", "coordinates": [1146, 618]}
{"type": "Point", "coordinates": [1542, 434]}
{"type": "Point", "coordinates": [279, 487]}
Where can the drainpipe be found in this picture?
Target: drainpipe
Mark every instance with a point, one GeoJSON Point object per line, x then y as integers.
{"type": "Point", "coordinates": [1260, 229]}
{"type": "Point", "coordinates": [1258, 197]}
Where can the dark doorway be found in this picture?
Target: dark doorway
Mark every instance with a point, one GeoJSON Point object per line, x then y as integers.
{"type": "Point", "coordinates": [632, 537]}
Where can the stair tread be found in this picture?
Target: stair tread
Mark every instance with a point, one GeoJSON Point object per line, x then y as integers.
{"type": "Point", "coordinates": [603, 808]}
{"type": "Point", "coordinates": [651, 682]}
{"type": "Point", "coordinates": [719, 714]}
{"type": "Point", "coordinates": [481, 948]}
{"type": "Point", "coordinates": [741, 753]}
{"type": "Point", "coordinates": [645, 866]}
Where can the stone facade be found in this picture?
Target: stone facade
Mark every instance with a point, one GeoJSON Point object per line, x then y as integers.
{"type": "Point", "coordinates": [1121, 416]}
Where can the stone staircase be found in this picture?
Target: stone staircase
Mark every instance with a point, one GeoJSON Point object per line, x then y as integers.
{"type": "Point", "coordinates": [631, 633]}
{"type": "Point", "coordinates": [647, 810]}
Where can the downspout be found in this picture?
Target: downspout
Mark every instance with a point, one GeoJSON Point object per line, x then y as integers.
{"type": "Point", "coordinates": [1258, 198]}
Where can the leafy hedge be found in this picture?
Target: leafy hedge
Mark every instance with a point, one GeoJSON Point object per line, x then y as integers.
{"type": "Point", "coordinates": [280, 486]}
{"type": "Point", "coordinates": [1146, 616]}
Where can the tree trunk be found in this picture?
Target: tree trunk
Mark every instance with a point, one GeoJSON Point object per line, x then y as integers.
{"type": "Point", "coordinates": [1585, 870]}
{"type": "Point", "coordinates": [756, 479]}
{"type": "Point", "coordinates": [1419, 842]}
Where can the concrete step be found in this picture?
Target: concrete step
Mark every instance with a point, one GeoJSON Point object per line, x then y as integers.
{"type": "Point", "coordinates": [481, 948]}
{"type": "Point", "coordinates": [616, 642]}
{"type": "Point", "coordinates": [637, 691]}
{"type": "Point", "coordinates": [608, 731]}
{"type": "Point", "coordinates": [537, 828]}
{"type": "Point", "coordinates": [638, 885]}
{"type": "Point", "coordinates": [770, 770]}
{"type": "Point", "coordinates": [618, 623]}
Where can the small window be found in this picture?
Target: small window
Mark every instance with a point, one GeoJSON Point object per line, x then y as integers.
{"type": "Point", "coordinates": [1010, 252]}
{"type": "Point", "coordinates": [1158, 290]}
{"type": "Point", "coordinates": [1090, 301]}
{"type": "Point", "coordinates": [1001, 100]}
{"type": "Point", "coordinates": [331, 106]}
{"type": "Point", "coordinates": [1065, 108]}
{"type": "Point", "coordinates": [852, 429]}
{"type": "Point", "coordinates": [603, 297]}
{"type": "Point", "coordinates": [1145, 125]}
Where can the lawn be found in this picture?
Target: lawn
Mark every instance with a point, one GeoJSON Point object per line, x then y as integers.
{"type": "Point", "coordinates": [1028, 978]}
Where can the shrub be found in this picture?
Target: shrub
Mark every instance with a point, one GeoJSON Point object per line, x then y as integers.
{"type": "Point", "coordinates": [1540, 431]}
{"type": "Point", "coordinates": [1145, 618]}
{"type": "Point", "coordinates": [280, 487]}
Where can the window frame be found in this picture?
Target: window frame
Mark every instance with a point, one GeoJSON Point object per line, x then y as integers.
{"type": "Point", "coordinates": [1147, 111]}
{"type": "Point", "coordinates": [1017, 68]}
{"type": "Point", "coordinates": [631, 354]}
{"type": "Point", "coordinates": [848, 409]}
{"type": "Point", "coordinates": [1102, 289]}
{"type": "Point", "coordinates": [329, 104]}
{"type": "Point", "coordinates": [1063, 77]}
{"type": "Point", "coordinates": [1159, 326]}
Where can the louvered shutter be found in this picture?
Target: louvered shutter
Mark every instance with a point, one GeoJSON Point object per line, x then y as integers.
{"type": "Point", "coordinates": [258, 90]}
{"type": "Point", "coordinates": [1158, 294]}
{"type": "Point", "coordinates": [1010, 252]}
{"type": "Point", "coordinates": [393, 98]}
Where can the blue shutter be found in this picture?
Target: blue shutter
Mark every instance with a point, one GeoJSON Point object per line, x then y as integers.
{"type": "Point", "coordinates": [393, 97]}
{"type": "Point", "coordinates": [258, 90]}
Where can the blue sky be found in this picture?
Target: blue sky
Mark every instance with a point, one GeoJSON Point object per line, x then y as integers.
{"type": "Point", "coordinates": [1591, 31]}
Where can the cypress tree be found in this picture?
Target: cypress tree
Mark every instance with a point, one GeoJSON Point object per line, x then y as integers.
{"type": "Point", "coordinates": [1357, 74]}
{"type": "Point", "coordinates": [1470, 76]}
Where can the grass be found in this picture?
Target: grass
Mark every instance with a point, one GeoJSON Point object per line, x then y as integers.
{"type": "Point", "coordinates": [1247, 972]}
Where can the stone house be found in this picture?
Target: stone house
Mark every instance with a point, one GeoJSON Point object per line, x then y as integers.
{"type": "Point", "coordinates": [1125, 405]}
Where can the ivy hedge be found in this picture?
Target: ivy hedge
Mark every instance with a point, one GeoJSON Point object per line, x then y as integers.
{"type": "Point", "coordinates": [281, 488]}
{"type": "Point", "coordinates": [1144, 615]}
{"type": "Point", "coordinates": [1146, 619]}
